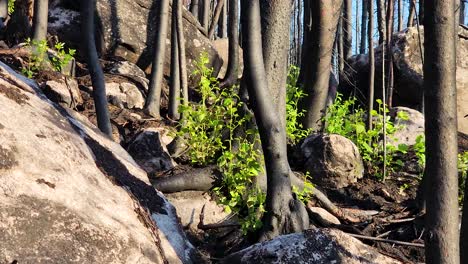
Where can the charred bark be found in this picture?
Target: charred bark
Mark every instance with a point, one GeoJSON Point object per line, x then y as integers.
{"type": "Point", "coordinates": [232, 71]}
{"type": "Point", "coordinates": [381, 20]}
{"type": "Point", "coordinates": [364, 17]}
{"type": "Point", "coordinates": [41, 10]}
{"type": "Point", "coordinates": [174, 89]}
{"type": "Point", "coordinates": [284, 213]}
{"type": "Point", "coordinates": [370, 37]}
{"type": "Point", "coordinates": [95, 70]}
{"type": "Point", "coordinates": [347, 28]}
{"type": "Point", "coordinates": [325, 14]}
{"type": "Point", "coordinates": [182, 58]}
{"type": "Point", "coordinates": [153, 100]}
{"type": "Point", "coordinates": [442, 234]}
{"type": "Point", "coordinates": [214, 21]}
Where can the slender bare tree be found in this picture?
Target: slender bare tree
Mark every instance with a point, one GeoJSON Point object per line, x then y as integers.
{"type": "Point", "coordinates": [41, 14]}
{"type": "Point", "coordinates": [442, 220]}
{"type": "Point", "coordinates": [370, 36]}
{"type": "Point", "coordinates": [232, 71]}
{"type": "Point", "coordinates": [153, 100]}
{"type": "Point", "coordinates": [95, 70]}
{"type": "Point", "coordinates": [318, 54]}
{"type": "Point", "coordinates": [222, 25]}
{"type": "Point", "coordinates": [205, 8]}
{"type": "Point", "coordinates": [412, 10]}
{"type": "Point", "coordinates": [174, 88]}
{"type": "Point", "coordinates": [182, 58]}
{"type": "Point", "coordinates": [284, 213]}
{"type": "Point", "coordinates": [381, 20]}
{"type": "Point", "coordinates": [364, 17]}
{"type": "Point", "coordinates": [347, 28]}
{"type": "Point", "coordinates": [194, 8]}
{"type": "Point", "coordinates": [215, 19]}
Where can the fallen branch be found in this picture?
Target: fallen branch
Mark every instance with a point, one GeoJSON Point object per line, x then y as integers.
{"type": "Point", "coordinates": [387, 240]}
{"type": "Point", "coordinates": [11, 78]}
{"type": "Point", "coordinates": [204, 227]}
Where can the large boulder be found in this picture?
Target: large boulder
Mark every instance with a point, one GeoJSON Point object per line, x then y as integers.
{"type": "Point", "coordinates": [222, 47]}
{"type": "Point", "coordinates": [408, 72]}
{"type": "Point", "coordinates": [68, 194]}
{"type": "Point", "coordinates": [312, 246]}
{"type": "Point", "coordinates": [408, 128]}
{"type": "Point", "coordinates": [332, 160]}
{"type": "Point", "coordinates": [124, 32]}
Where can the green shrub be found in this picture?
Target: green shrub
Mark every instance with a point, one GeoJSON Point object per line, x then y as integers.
{"type": "Point", "coordinates": [11, 6]}
{"type": "Point", "coordinates": [462, 174]}
{"type": "Point", "coordinates": [345, 118]}
{"type": "Point", "coordinates": [294, 129]}
{"type": "Point", "coordinates": [39, 59]}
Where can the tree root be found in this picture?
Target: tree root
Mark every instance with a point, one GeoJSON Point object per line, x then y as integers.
{"type": "Point", "coordinates": [199, 179]}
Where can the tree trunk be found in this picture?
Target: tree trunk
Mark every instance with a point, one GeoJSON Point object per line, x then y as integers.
{"type": "Point", "coordinates": [214, 21]}
{"type": "Point", "coordinates": [153, 100]}
{"type": "Point", "coordinates": [347, 28]}
{"type": "Point", "coordinates": [205, 9]}
{"type": "Point", "coordinates": [412, 10]}
{"type": "Point", "coordinates": [381, 20]}
{"type": "Point", "coordinates": [442, 237]}
{"type": "Point", "coordinates": [306, 26]}
{"type": "Point", "coordinates": [41, 10]}
{"type": "Point", "coordinates": [362, 48]}
{"type": "Point", "coordinates": [341, 47]}
{"type": "Point", "coordinates": [232, 71]}
{"type": "Point", "coordinates": [182, 57]}
{"type": "Point", "coordinates": [95, 70]}
{"type": "Point", "coordinates": [174, 89]}
{"type": "Point", "coordinates": [276, 17]}
{"type": "Point", "coordinates": [390, 80]}
{"type": "Point", "coordinates": [194, 7]}
{"type": "Point", "coordinates": [222, 25]}
{"type": "Point", "coordinates": [325, 14]}
{"type": "Point", "coordinates": [284, 213]}
{"type": "Point", "coordinates": [370, 36]}
{"type": "Point", "coordinates": [462, 12]}
{"type": "Point", "coordinates": [421, 12]}
{"type": "Point", "coordinates": [400, 15]}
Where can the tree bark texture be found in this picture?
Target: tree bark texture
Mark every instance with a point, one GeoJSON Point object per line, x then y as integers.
{"type": "Point", "coordinates": [205, 8]}
{"type": "Point", "coordinates": [325, 14]}
{"type": "Point", "coordinates": [194, 7]}
{"type": "Point", "coordinates": [41, 14]}
{"type": "Point", "coordinates": [370, 36]}
{"type": "Point", "coordinates": [153, 100]}
{"type": "Point", "coordinates": [232, 71]}
{"type": "Point", "coordinates": [214, 21]}
{"type": "Point", "coordinates": [284, 213]}
{"type": "Point", "coordinates": [95, 70]}
{"type": "Point", "coordinates": [222, 25]}
{"type": "Point", "coordinates": [275, 21]}
{"type": "Point", "coordinates": [442, 237]}
{"type": "Point", "coordinates": [400, 15]}
{"type": "Point", "coordinates": [390, 79]}
{"type": "Point", "coordinates": [174, 89]}
{"type": "Point", "coordinates": [364, 17]}
{"type": "Point", "coordinates": [182, 58]}
{"type": "Point", "coordinates": [347, 28]}
{"type": "Point", "coordinates": [381, 20]}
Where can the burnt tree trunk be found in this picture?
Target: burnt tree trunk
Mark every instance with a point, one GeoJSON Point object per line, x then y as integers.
{"type": "Point", "coordinates": [421, 14]}
{"type": "Point", "coordinates": [400, 15]}
{"type": "Point", "coordinates": [442, 234]}
{"type": "Point", "coordinates": [381, 20]}
{"type": "Point", "coordinates": [205, 8]}
{"type": "Point", "coordinates": [347, 28]}
{"type": "Point", "coordinates": [232, 71]}
{"type": "Point", "coordinates": [276, 17]}
{"type": "Point", "coordinates": [412, 10]}
{"type": "Point", "coordinates": [41, 10]}
{"type": "Point", "coordinates": [194, 7]}
{"type": "Point", "coordinates": [174, 89]}
{"type": "Point", "coordinates": [390, 80]}
{"type": "Point", "coordinates": [325, 14]}
{"type": "Point", "coordinates": [214, 21]}
{"type": "Point", "coordinates": [153, 100]}
{"type": "Point", "coordinates": [222, 25]}
{"type": "Point", "coordinates": [370, 36]}
{"type": "Point", "coordinates": [284, 213]}
{"type": "Point", "coordinates": [364, 17]}
{"type": "Point", "coordinates": [181, 49]}
{"type": "Point", "coordinates": [462, 12]}
{"type": "Point", "coordinates": [95, 70]}
{"type": "Point", "coordinates": [306, 26]}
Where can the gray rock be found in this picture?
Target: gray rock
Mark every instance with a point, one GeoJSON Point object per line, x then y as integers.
{"type": "Point", "coordinates": [68, 194]}
{"type": "Point", "coordinates": [124, 95]}
{"type": "Point", "coordinates": [65, 93]}
{"type": "Point", "coordinates": [322, 216]}
{"type": "Point", "coordinates": [148, 148]}
{"type": "Point", "coordinates": [127, 68]}
{"type": "Point", "coordinates": [407, 130]}
{"type": "Point", "coordinates": [332, 160]}
{"type": "Point", "coordinates": [222, 47]}
{"type": "Point", "coordinates": [318, 246]}
{"type": "Point", "coordinates": [189, 205]}
{"type": "Point", "coordinates": [127, 28]}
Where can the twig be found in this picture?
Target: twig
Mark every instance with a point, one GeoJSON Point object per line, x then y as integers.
{"type": "Point", "coordinates": [387, 240]}
{"type": "Point", "coordinates": [404, 220]}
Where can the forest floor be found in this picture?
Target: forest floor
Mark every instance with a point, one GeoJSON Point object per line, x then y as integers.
{"type": "Point", "coordinates": [392, 202]}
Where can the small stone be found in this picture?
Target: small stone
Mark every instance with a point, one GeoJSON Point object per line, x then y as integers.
{"type": "Point", "coordinates": [323, 216]}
